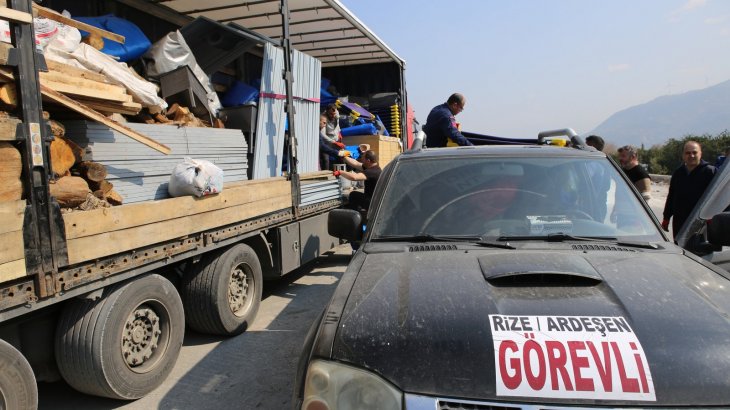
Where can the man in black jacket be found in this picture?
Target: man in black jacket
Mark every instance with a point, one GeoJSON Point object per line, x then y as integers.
{"type": "Point", "coordinates": [687, 185]}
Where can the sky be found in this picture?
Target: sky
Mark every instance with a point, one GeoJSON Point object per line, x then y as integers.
{"type": "Point", "coordinates": [531, 65]}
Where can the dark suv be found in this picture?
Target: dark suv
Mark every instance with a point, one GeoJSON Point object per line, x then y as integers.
{"type": "Point", "coordinates": [501, 277]}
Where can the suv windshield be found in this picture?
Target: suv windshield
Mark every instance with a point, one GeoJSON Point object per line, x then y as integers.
{"type": "Point", "coordinates": [512, 197]}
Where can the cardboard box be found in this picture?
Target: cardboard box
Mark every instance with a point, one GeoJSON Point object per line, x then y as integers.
{"type": "Point", "coordinates": [387, 148]}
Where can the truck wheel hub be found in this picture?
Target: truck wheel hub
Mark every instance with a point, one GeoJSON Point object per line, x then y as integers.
{"type": "Point", "coordinates": [141, 336]}
{"type": "Point", "coordinates": [238, 290]}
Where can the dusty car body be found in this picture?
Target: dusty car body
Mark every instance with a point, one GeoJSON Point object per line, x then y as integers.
{"type": "Point", "coordinates": [511, 277]}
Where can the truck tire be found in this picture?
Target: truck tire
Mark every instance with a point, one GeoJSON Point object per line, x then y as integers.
{"type": "Point", "coordinates": [222, 292]}
{"type": "Point", "coordinates": [124, 344]}
{"type": "Point", "coordinates": [18, 389]}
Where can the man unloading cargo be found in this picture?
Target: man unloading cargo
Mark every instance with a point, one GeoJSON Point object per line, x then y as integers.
{"type": "Point", "coordinates": [441, 129]}
{"type": "Point", "coordinates": [370, 173]}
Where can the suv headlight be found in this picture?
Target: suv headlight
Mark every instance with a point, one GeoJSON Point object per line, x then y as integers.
{"type": "Point", "coordinates": [331, 386]}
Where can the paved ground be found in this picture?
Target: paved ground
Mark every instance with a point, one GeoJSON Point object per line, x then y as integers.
{"type": "Point", "coordinates": [252, 371]}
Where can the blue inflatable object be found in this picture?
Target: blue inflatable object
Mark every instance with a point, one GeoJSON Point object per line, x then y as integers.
{"type": "Point", "coordinates": [239, 94]}
{"type": "Point", "coordinates": [364, 129]}
{"type": "Point", "coordinates": [354, 151]}
{"type": "Point", "coordinates": [135, 42]}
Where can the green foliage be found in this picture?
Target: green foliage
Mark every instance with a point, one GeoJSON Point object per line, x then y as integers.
{"type": "Point", "coordinates": [664, 159]}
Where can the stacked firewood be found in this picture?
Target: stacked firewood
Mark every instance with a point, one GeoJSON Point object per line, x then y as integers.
{"type": "Point", "coordinates": [79, 184]}
{"type": "Point", "coordinates": [179, 115]}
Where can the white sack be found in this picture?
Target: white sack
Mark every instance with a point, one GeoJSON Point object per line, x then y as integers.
{"type": "Point", "coordinates": [195, 177]}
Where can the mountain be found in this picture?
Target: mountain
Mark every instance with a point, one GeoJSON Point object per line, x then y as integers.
{"type": "Point", "coordinates": [672, 116]}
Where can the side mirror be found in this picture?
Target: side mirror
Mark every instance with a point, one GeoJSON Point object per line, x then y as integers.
{"type": "Point", "coordinates": [345, 224]}
{"type": "Point", "coordinates": [718, 229]}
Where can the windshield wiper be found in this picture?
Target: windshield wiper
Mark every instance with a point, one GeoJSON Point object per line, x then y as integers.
{"type": "Point", "coordinates": [556, 237]}
{"type": "Point", "coordinates": [637, 244]}
{"type": "Point", "coordinates": [477, 240]}
{"type": "Point", "coordinates": [427, 237]}
{"type": "Point", "coordinates": [561, 237]}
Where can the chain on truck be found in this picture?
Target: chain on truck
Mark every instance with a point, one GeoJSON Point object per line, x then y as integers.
{"type": "Point", "coordinates": [100, 296]}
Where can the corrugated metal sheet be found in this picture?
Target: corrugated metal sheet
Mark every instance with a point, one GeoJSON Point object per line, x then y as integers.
{"type": "Point", "coordinates": [320, 191]}
{"type": "Point", "coordinates": [269, 146]}
{"type": "Point", "coordinates": [140, 173]}
{"type": "Point", "coordinates": [307, 73]}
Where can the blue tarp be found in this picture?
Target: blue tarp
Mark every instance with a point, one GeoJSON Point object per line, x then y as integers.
{"type": "Point", "coordinates": [135, 42]}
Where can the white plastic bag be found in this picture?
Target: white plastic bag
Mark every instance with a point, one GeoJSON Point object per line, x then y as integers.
{"type": "Point", "coordinates": [195, 177]}
{"type": "Point", "coordinates": [171, 52]}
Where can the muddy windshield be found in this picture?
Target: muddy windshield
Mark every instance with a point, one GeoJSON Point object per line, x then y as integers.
{"type": "Point", "coordinates": [506, 197]}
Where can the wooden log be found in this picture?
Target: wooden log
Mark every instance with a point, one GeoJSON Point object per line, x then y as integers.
{"type": "Point", "coordinates": [11, 165]}
{"type": "Point", "coordinates": [63, 156]}
{"type": "Point", "coordinates": [92, 171]}
{"type": "Point", "coordinates": [100, 188]}
{"type": "Point", "coordinates": [70, 192]}
{"type": "Point", "coordinates": [113, 197]}
{"type": "Point", "coordinates": [57, 129]}
{"type": "Point", "coordinates": [11, 190]}
{"type": "Point", "coordinates": [8, 126]}
{"type": "Point", "coordinates": [94, 40]}
{"type": "Point", "coordinates": [8, 95]}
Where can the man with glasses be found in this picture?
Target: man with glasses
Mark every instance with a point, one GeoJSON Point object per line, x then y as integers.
{"type": "Point", "coordinates": [441, 129]}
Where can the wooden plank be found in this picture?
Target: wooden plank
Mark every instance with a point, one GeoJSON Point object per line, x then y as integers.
{"type": "Point", "coordinates": [97, 221]}
{"type": "Point", "coordinates": [59, 98]}
{"type": "Point", "coordinates": [8, 128]}
{"type": "Point", "coordinates": [129, 108]}
{"type": "Point", "coordinates": [11, 246]}
{"type": "Point", "coordinates": [11, 216]}
{"type": "Point", "coordinates": [53, 15]}
{"type": "Point", "coordinates": [56, 77]}
{"type": "Point", "coordinates": [15, 15]}
{"type": "Point", "coordinates": [109, 243]}
{"type": "Point", "coordinates": [78, 91]}
{"type": "Point", "coordinates": [96, 116]}
{"type": "Point", "coordinates": [12, 270]}
{"type": "Point", "coordinates": [62, 68]}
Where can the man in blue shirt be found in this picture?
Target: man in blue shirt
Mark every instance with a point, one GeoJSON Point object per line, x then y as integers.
{"type": "Point", "coordinates": [440, 125]}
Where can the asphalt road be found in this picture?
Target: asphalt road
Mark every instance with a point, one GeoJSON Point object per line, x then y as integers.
{"type": "Point", "coordinates": [254, 370]}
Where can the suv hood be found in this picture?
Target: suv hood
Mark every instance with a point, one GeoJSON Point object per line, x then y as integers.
{"type": "Point", "coordinates": [602, 327]}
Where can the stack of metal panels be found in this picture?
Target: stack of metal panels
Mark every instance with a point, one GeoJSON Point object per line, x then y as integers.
{"type": "Point", "coordinates": [320, 191]}
{"type": "Point", "coordinates": [140, 173]}
{"type": "Point", "coordinates": [269, 146]}
{"type": "Point", "coordinates": [307, 75]}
